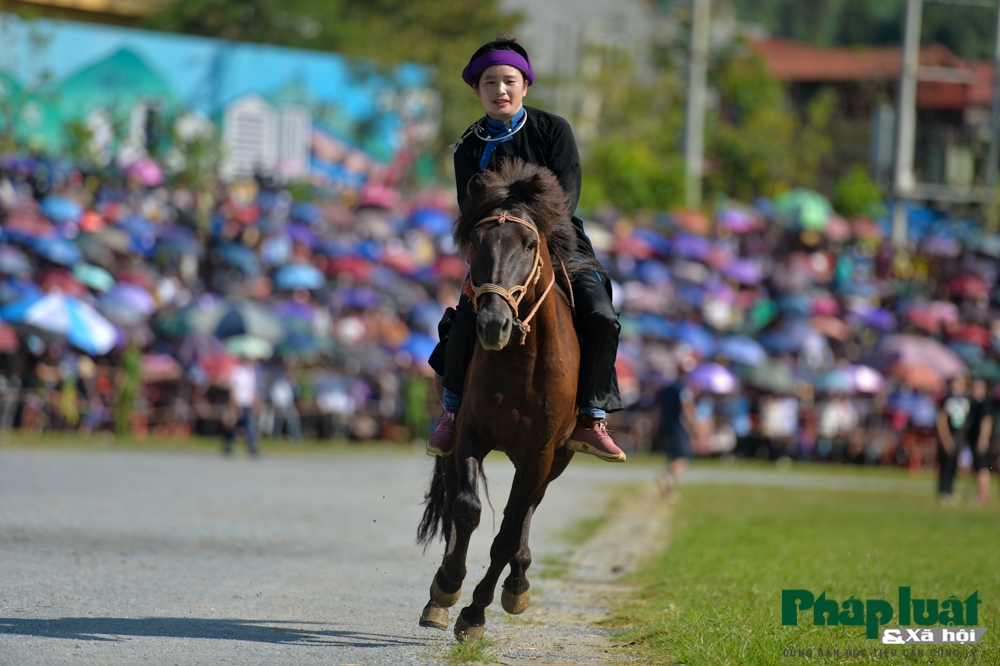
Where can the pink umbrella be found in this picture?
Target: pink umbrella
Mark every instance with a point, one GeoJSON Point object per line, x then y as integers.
{"type": "Point", "coordinates": [932, 316]}
{"type": "Point", "coordinates": [145, 171]}
{"type": "Point", "coordinates": [901, 351]}
{"type": "Point", "coordinates": [866, 379]}
{"type": "Point", "coordinates": [737, 220]}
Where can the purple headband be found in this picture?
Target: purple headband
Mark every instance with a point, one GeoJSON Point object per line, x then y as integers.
{"type": "Point", "coordinates": [498, 57]}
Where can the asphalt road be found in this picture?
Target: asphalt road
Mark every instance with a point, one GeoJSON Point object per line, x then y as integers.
{"type": "Point", "coordinates": [111, 557]}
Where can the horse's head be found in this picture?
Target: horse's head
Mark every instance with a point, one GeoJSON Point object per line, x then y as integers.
{"type": "Point", "coordinates": [505, 263]}
{"type": "Point", "coordinates": [508, 224]}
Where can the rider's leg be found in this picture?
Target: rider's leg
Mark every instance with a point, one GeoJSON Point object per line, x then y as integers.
{"type": "Point", "coordinates": [458, 353]}
{"type": "Point", "coordinates": [597, 391]}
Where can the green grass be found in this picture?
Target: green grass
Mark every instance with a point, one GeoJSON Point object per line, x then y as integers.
{"type": "Point", "coordinates": [714, 597]}
{"type": "Point", "coordinates": [477, 651]}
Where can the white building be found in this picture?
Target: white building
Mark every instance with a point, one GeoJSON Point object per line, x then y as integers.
{"type": "Point", "coordinates": [260, 138]}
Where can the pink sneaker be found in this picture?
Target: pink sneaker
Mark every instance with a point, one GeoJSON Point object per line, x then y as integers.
{"type": "Point", "coordinates": [595, 441]}
{"type": "Point", "coordinates": [442, 440]}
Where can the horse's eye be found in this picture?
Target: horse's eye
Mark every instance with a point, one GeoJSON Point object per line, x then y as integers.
{"type": "Point", "coordinates": [530, 247]}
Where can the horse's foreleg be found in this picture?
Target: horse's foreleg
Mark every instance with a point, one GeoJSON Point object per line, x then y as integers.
{"type": "Point", "coordinates": [464, 519]}
{"type": "Point", "coordinates": [516, 595]}
{"type": "Point", "coordinates": [472, 620]}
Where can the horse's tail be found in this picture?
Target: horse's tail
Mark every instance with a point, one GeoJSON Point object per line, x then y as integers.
{"type": "Point", "coordinates": [432, 523]}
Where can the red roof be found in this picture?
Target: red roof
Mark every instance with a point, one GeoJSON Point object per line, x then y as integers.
{"type": "Point", "coordinates": [789, 60]}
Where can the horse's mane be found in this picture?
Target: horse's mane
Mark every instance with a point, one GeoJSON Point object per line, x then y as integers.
{"type": "Point", "coordinates": [521, 186]}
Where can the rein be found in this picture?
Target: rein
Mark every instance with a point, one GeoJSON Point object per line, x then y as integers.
{"type": "Point", "coordinates": [513, 296]}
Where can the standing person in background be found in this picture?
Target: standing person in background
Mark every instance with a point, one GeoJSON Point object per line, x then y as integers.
{"type": "Point", "coordinates": [676, 418]}
{"type": "Point", "coordinates": [953, 429]}
{"type": "Point", "coordinates": [245, 400]}
{"type": "Point", "coordinates": [980, 433]}
{"type": "Point", "coordinates": [129, 380]}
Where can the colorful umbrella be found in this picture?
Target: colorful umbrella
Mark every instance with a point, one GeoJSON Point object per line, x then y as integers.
{"type": "Point", "coordinates": [741, 349]}
{"type": "Point", "coordinates": [907, 350]}
{"type": "Point", "coordinates": [737, 220]}
{"type": "Point", "coordinates": [713, 378]}
{"type": "Point", "coordinates": [13, 261]}
{"type": "Point", "coordinates": [63, 281]}
{"type": "Point", "coordinates": [94, 277]}
{"type": "Point", "coordinates": [58, 250]}
{"type": "Point", "coordinates": [299, 276]}
{"type": "Point", "coordinates": [160, 368]}
{"type": "Point", "coordinates": [249, 346]}
{"type": "Point", "coordinates": [743, 271]}
{"type": "Point", "coordinates": [145, 171]}
{"type": "Point", "coordinates": [85, 328]}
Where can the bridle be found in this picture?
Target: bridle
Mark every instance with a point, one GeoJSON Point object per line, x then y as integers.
{"type": "Point", "coordinates": [515, 294]}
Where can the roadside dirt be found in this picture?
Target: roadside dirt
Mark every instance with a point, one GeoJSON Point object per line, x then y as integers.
{"type": "Point", "coordinates": [561, 624]}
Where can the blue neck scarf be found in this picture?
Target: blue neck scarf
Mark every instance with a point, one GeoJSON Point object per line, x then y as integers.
{"type": "Point", "coordinates": [500, 133]}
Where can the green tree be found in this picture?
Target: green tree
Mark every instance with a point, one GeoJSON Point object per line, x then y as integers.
{"type": "Point", "coordinates": [756, 145]}
{"type": "Point", "coordinates": [439, 33]}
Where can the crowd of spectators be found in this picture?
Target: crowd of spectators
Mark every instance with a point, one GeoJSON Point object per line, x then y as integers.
{"type": "Point", "coordinates": [128, 304]}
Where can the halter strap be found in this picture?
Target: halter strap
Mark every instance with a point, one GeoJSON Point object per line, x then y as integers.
{"type": "Point", "coordinates": [514, 295]}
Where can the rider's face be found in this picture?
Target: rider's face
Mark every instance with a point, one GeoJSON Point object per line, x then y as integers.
{"type": "Point", "coordinates": [501, 89]}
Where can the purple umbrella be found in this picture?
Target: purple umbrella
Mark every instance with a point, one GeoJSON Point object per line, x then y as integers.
{"type": "Point", "coordinates": [713, 378]}
{"type": "Point", "coordinates": [133, 296]}
{"type": "Point", "coordinates": [653, 273]}
{"type": "Point", "coordinates": [288, 309]}
{"type": "Point", "coordinates": [737, 220]}
{"type": "Point", "coordinates": [942, 246]}
{"type": "Point", "coordinates": [690, 246]}
{"type": "Point", "coordinates": [302, 234]}
{"type": "Point", "coordinates": [743, 271]}
{"type": "Point", "coordinates": [879, 318]}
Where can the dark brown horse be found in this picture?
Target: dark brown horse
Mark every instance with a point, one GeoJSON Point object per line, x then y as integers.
{"type": "Point", "coordinates": [520, 397]}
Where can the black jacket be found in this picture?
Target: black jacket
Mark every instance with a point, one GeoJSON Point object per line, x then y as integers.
{"type": "Point", "coordinates": [545, 140]}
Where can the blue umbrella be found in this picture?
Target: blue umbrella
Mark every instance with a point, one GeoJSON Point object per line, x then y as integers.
{"type": "Point", "coordinates": [655, 326]}
{"type": "Point", "coordinates": [299, 276]}
{"type": "Point", "coordinates": [141, 231]}
{"type": "Point", "coordinates": [741, 349]}
{"type": "Point", "coordinates": [13, 261]}
{"type": "Point", "coordinates": [13, 289]}
{"type": "Point", "coordinates": [58, 250]}
{"type": "Point", "coordinates": [652, 272]}
{"type": "Point", "coordinates": [61, 210]}
{"type": "Point", "coordinates": [696, 336]}
{"type": "Point", "coordinates": [795, 304]}
{"type": "Point", "coordinates": [83, 326]}
{"type": "Point", "coordinates": [277, 250]}
{"type": "Point", "coordinates": [420, 346]}
{"type": "Point", "coordinates": [657, 241]}
{"type": "Point", "coordinates": [241, 257]}
{"type": "Point", "coordinates": [431, 220]}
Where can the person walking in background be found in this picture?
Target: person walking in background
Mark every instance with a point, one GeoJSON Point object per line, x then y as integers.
{"type": "Point", "coordinates": [129, 383]}
{"type": "Point", "coordinates": [981, 422]}
{"type": "Point", "coordinates": [676, 403]}
{"type": "Point", "coordinates": [953, 428]}
{"type": "Point", "coordinates": [244, 399]}
{"type": "Point", "coordinates": [286, 415]}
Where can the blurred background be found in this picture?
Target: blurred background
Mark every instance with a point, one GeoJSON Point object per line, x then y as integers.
{"type": "Point", "coordinates": [796, 202]}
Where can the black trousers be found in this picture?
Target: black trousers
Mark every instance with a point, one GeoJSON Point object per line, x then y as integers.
{"type": "Point", "coordinates": [596, 325]}
{"type": "Point", "coordinates": [948, 469]}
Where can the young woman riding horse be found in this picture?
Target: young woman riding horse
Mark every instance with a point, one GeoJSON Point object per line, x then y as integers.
{"type": "Point", "coordinates": [521, 396]}
{"type": "Point", "coordinates": [500, 73]}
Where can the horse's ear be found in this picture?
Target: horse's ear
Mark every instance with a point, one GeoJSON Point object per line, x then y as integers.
{"type": "Point", "coordinates": [476, 186]}
{"type": "Point", "coordinates": [529, 189]}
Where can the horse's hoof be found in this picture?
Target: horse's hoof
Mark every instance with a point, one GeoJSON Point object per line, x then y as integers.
{"type": "Point", "coordinates": [442, 598]}
{"type": "Point", "coordinates": [515, 604]}
{"type": "Point", "coordinates": [434, 616]}
{"type": "Point", "coordinates": [468, 632]}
